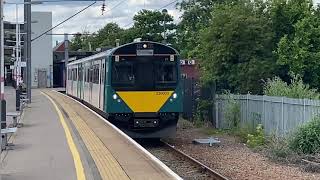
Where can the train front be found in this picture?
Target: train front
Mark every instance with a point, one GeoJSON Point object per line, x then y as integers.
{"type": "Point", "coordinates": [144, 96]}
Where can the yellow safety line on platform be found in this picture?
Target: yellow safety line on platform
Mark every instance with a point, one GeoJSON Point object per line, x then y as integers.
{"type": "Point", "coordinates": [72, 146]}
{"type": "Point", "coordinates": [108, 166]}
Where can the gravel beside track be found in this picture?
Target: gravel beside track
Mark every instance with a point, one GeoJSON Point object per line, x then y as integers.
{"type": "Point", "coordinates": [234, 160]}
{"type": "Point", "coordinates": [179, 163]}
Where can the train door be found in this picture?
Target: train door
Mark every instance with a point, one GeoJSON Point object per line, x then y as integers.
{"type": "Point", "coordinates": [79, 87]}
{"type": "Point", "coordinates": [71, 81]}
{"type": "Point", "coordinates": [68, 79]}
{"type": "Point", "coordinates": [90, 82]}
{"type": "Point", "coordinates": [95, 90]}
{"type": "Point", "coordinates": [81, 81]}
{"type": "Point", "coordinates": [75, 81]}
{"type": "Point", "coordinates": [102, 77]}
{"type": "Point", "coordinates": [86, 82]}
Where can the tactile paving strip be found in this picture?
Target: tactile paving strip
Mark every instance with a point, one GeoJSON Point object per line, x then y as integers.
{"type": "Point", "coordinates": [107, 165]}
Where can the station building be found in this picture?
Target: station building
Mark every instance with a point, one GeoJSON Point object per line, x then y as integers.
{"type": "Point", "coordinates": [189, 69]}
{"type": "Point", "coordinates": [41, 50]}
{"type": "Point", "coordinates": [59, 61]}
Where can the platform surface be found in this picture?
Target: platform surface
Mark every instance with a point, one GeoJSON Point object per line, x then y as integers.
{"type": "Point", "coordinates": [40, 148]}
{"type": "Point", "coordinates": [61, 139]}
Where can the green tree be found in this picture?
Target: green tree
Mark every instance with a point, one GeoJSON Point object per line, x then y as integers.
{"type": "Point", "coordinates": [285, 14]}
{"type": "Point", "coordinates": [149, 25]}
{"type": "Point", "coordinates": [106, 37]}
{"type": "Point", "coordinates": [236, 48]}
{"type": "Point", "coordinates": [301, 51]}
{"type": "Point", "coordinates": [81, 42]}
{"type": "Point", "coordinates": [196, 16]}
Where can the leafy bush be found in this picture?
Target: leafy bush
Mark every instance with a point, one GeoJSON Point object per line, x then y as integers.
{"type": "Point", "coordinates": [202, 112]}
{"type": "Point", "coordinates": [278, 148]}
{"type": "Point", "coordinates": [257, 138]}
{"type": "Point", "coordinates": [307, 138]}
{"type": "Point", "coordinates": [297, 89]}
{"type": "Point", "coordinates": [231, 111]}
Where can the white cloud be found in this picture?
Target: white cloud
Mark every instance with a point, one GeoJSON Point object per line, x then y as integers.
{"type": "Point", "coordinates": [92, 18]}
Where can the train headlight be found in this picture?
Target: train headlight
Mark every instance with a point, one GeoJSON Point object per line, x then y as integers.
{"type": "Point", "coordinates": [115, 96]}
{"type": "Point", "coordinates": [174, 95]}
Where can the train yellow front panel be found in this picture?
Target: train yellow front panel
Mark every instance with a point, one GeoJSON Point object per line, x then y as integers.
{"type": "Point", "coordinates": [145, 101]}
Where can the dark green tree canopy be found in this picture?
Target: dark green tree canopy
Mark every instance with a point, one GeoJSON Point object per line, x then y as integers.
{"type": "Point", "coordinates": [151, 25]}
{"type": "Point", "coordinates": [235, 48]}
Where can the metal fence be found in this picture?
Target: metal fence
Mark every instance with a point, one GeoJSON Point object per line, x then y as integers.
{"type": "Point", "coordinates": [278, 115]}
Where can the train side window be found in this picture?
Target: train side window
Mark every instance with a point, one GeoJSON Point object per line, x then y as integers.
{"type": "Point", "coordinates": [80, 74]}
{"type": "Point", "coordinates": [88, 75]}
{"type": "Point", "coordinates": [73, 75]}
{"type": "Point", "coordinates": [85, 75]}
{"type": "Point", "coordinates": [102, 73]}
{"type": "Point", "coordinates": [96, 74]}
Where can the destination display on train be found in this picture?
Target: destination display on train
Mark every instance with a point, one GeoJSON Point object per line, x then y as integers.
{"type": "Point", "coordinates": [145, 52]}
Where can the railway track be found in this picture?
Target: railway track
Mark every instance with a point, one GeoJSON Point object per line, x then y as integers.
{"type": "Point", "coordinates": [182, 164]}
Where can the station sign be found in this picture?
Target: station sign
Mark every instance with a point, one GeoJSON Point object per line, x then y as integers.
{"type": "Point", "coordinates": [23, 64]}
{"type": "Point", "coordinates": [187, 62]}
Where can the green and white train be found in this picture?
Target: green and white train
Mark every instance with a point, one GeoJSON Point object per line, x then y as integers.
{"type": "Point", "coordinates": [136, 86]}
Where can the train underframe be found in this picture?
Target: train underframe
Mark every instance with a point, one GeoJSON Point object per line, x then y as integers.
{"type": "Point", "coordinates": [146, 125]}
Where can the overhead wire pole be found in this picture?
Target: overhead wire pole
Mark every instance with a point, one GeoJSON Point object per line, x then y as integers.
{"type": "Point", "coordinates": [2, 52]}
{"type": "Point", "coordinates": [3, 102]}
{"type": "Point", "coordinates": [28, 48]}
{"type": "Point", "coordinates": [66, 59]}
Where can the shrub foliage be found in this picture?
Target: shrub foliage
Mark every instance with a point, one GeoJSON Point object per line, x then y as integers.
{"type": "Point", "coordinates": [307, 138]}
{"type": "Point", "coordinates": [297, 89]}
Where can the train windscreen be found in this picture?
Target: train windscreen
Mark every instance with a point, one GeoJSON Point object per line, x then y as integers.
{"type": "Point", "coordinates": [144, 73]}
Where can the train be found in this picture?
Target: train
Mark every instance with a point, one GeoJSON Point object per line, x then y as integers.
{"type": "Point", "coordinates": [136, 86]}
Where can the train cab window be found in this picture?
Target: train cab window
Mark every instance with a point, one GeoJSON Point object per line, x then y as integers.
{"type": "Point", "coordinates": [122, 73]}
{"type": "Point", "coordinates": [166, 73]}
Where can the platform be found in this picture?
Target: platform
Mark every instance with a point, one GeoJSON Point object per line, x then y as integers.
{"type": "Point", "coordinates": [62, 139]}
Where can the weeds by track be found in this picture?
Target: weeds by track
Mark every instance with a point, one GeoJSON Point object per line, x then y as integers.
{"type": "Point", "coordinates": [182, 164]}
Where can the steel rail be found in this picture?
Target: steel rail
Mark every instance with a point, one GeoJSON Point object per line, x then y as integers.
{"type": "Point", "coordinates": [213, 173]}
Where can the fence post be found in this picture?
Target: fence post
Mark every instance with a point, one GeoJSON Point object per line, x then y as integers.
{"type": "Point", "coordinates": [304, 110]}
{"type": "Point", "coordinates": [282, 113]}
{"type": "Point", "coordinates": [263, 115]}
{"type": "Point", "coordinates": [247, 112]}
{"type": "Point", "coordinates": [217, 114]}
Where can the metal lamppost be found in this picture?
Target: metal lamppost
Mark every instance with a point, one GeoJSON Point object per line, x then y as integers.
{"type": "Point", "coordinates": [164, 12]}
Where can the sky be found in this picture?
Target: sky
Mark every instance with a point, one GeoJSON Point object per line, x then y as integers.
{"type": "Point", "coordinates": [91, 19]}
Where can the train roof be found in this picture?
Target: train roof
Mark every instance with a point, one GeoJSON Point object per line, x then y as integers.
{"type": "Point", "coordinates": [127, 49]}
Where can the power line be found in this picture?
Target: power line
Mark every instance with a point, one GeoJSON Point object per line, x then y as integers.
{"type": "Point", "coordinates": [116, 6]}
{"type": "Point", "coordinates": [63, 21]}
{"type": "Point", "coordinates": [156, 10]}
{"type": "Point", "coordinates": [168, 4]}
